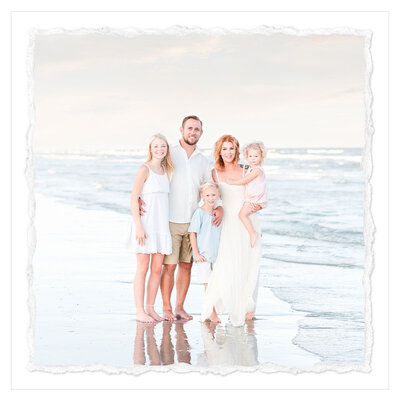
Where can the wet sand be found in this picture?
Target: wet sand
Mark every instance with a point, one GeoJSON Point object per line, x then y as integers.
{"type": "Point", "coordinates": [84, 313]}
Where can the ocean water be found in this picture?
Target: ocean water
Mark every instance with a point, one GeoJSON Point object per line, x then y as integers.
{"type": "Point", "coordinates": [313, 248]}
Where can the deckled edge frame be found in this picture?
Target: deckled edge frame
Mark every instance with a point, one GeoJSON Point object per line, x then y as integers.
{"type": "Point", "coordinates": [369, 226]}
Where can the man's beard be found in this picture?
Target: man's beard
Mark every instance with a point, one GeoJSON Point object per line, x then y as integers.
{"type": "Point", "coordinates": [189, 143]}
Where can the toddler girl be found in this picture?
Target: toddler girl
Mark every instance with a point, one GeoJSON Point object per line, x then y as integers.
{"type": "Point", "coordinates": [151, 239]}
{"type": "Point", "coordinates": [256, 190]}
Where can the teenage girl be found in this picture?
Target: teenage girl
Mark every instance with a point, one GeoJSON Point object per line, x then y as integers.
{"type": "Point", "coordinates": [150, 237]}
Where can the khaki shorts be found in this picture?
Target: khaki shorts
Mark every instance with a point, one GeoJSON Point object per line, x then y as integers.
{"type": "Point", "coordinates": [181, 248]}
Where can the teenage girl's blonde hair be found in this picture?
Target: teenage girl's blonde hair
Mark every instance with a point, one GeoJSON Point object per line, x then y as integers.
{"type": "Point", "coordinates": [167, 161]}
{"type": "Point", "coordinates": [206, 185]}
{"type": "Point", "coordinates": [256, 146]}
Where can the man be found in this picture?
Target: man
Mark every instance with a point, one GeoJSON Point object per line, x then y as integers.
{"type": "Point", "coordinates": [191, 169]}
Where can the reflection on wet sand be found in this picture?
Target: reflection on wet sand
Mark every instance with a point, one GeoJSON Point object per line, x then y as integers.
{"type": "Point", "coordinates": [221, 344]}
{"type": "Point", "coordinates": [228, 345]}
{"type": "Point", "coordinates": [166, 354]}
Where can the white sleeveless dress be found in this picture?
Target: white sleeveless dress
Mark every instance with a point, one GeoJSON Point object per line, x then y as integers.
{"type": "Point", "coordinates": [233, 283]}
{"type": "Point", "coordinates": [156, 219]}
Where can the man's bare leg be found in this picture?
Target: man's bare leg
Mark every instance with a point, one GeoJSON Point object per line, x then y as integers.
{"type": "Point", "coordinates": [182, 344]}
{"type": "Point", "coordinates": [182, 286]}
{"type": "Point", "coordinates": [166, 285]}
{"type": "Point", "coordinates": [166, 347]}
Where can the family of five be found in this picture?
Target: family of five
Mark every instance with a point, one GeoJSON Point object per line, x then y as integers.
{"type": "Point", "coordinates": [170, 229]}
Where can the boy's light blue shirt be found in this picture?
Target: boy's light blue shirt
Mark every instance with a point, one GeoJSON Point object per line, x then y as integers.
{"type": "Point", "coordinates": [207, 234]}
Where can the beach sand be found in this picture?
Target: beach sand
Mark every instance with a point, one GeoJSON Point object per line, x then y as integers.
{"type": "Point", "coordinates": [85, 314]}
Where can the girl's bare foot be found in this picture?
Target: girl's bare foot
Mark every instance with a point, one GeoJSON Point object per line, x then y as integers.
{"type": "Point", "coordinates": [168, 316]}
{"type": "Point", "coordinates": [143, 317]}
{"type": "Point", "coordinates": [150, 311]}
{"type": "Point", "coordinates": [253, 238]}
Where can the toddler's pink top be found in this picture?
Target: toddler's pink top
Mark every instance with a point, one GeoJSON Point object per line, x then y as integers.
{"type": "Point", "coordinates": [256, 190]}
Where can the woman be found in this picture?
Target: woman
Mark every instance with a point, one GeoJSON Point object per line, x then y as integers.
{"type": "Point", "coordinates": [233, 284]}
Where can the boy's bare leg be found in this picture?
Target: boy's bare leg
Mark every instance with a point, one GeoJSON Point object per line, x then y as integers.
{"type": "Point", "coordinates": [167, 284]}
{"type": "Point", "coordinates": [244, 213]}
{"type": "Point", "coordinates": [182, 286]}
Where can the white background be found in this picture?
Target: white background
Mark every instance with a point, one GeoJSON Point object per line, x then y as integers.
{"type": "Point", "coordinates": [22, 22]}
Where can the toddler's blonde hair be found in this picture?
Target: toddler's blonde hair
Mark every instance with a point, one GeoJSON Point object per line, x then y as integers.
{"type": "Point", "coordinates": [256, 146]}
{"type": "Point", "coordinates": [206, 185]}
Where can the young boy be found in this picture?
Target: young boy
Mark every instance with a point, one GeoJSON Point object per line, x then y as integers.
{"type": "Point", "coordinates": [204, 236]}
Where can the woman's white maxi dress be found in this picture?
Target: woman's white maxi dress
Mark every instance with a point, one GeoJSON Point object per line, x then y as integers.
{"type": "Point", "coordinates": [233, 283]}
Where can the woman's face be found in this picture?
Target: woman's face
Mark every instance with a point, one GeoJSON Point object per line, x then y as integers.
{"type": "Point", "coordinates": [228, 152]}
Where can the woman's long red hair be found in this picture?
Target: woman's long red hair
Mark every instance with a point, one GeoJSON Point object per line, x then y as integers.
{"type": "Point", "coordinates": [219, 162]}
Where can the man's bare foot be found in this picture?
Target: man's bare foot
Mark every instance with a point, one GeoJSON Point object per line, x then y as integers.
{"type": "Point", "coordinates": [249, 316]}
{"type": "Point", "coordinates": [143, 317]}
{"type": "Point", "coordinates": [150, 311]}
{"type": "Point", "coordinates": [253, 238]}
{"type": "Point", "coordinates": [168, 316]}
{"type": "Point", "coordinates": [182, 314]}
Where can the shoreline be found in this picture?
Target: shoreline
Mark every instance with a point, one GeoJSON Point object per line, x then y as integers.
{"type": "Point", "coordinates": [84, 311]}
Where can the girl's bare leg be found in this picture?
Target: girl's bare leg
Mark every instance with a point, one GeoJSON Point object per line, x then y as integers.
{"type": "Point", "coordinates": [138, 287]}
{"type": "Point", "coordinates": [139, 356]}
{"type": "Point", "coordinates": [152, 350]}
{"type": "Point", "coordinates": [153, 285]}
{"type": "Point", "coordinates": [244, 213]}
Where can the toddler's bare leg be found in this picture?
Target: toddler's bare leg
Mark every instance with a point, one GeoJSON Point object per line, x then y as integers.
{"type": "Point", "coordinates": [244, 213]}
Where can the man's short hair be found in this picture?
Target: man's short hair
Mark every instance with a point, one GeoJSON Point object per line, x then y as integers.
{"type": "Point", "coordinates": [192, 117]}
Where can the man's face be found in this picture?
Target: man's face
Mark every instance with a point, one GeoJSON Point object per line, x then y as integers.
{"type": "Point", "coordinates": [191, 131]}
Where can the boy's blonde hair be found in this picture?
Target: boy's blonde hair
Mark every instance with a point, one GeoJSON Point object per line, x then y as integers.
{"type": "Point", "coordinates": [256, 146]}
{"type": "Point", "coordinates": [167, 161]}
{"type": "Point", "coordinates": [206, 185]}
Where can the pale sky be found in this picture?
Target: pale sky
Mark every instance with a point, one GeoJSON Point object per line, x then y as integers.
{"type": "Point", "coordinates": [109, 91]}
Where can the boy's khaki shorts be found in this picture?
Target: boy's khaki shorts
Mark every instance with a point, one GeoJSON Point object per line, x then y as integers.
{"type": "Point", "coordinates": [181, 247]}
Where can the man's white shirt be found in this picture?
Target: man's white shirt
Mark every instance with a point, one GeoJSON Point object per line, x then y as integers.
{"type": "Point", "coordinates": [188, 175]}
